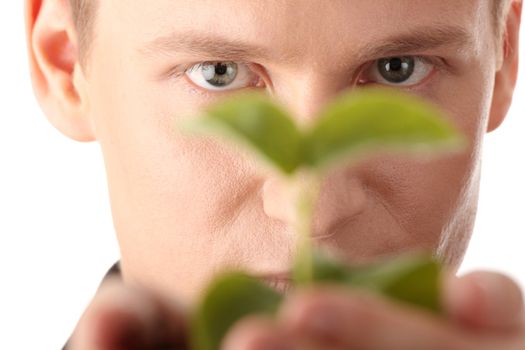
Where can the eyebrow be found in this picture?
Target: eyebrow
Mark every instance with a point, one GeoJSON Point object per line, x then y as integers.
{"type": "Point", "coordinates": [217, 46]}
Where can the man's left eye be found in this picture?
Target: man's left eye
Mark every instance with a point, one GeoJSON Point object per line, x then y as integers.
{"type": "Point", "coordinates": [401, 71]}
{"type": "Point", "coordinates": [222, 76]}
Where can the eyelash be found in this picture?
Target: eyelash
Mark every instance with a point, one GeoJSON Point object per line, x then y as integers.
{"type": "Point", "coordinates": [434, 63]}
{"type": "Point", "coordinates": [181, 72]}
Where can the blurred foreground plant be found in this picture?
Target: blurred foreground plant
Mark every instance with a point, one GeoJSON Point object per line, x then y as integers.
{"type": "Point", "coordinates": [351, 127]}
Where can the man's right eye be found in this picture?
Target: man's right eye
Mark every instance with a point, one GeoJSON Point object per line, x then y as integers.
{"type": "Point", "coordinates": [403, 71]}
{"type": "Point", "coordinates": [222, 76]}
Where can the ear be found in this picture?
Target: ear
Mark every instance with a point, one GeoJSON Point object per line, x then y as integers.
{"type": "Point", "coordinates": [507, 73]}
{"type": "Point", "coordinates": [56, 73]}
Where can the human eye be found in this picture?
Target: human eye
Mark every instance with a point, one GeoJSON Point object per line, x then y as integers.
{"type": "Point", "coordinates": [402, 71]}
{"type": "Point", "coordinates": [217, 76]}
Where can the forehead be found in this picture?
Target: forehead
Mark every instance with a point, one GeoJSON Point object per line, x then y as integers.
{"type": "Point", "coordinates": [290, 28]}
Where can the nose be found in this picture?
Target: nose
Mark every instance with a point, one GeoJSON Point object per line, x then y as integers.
{"type": "Point", "coordinates": [342, 195]}
{"type": "Point", "coordinates": [306, 92]}
{"type": "Point", "coordinates": [341, 198]}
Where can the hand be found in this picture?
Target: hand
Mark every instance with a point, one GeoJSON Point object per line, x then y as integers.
{"type": "Point", "coordinates": [483, 311]}
{"type": "Point", "coordinates": [123, 317]}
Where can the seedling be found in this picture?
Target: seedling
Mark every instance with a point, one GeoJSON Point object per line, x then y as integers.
{"type": "Point", "coordinates": [350, 128]}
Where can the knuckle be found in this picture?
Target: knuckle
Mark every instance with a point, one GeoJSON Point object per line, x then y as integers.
{"type": "Point", "coordinates": [99, 317]}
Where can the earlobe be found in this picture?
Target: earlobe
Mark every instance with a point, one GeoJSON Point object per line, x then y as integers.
{"type": "Point", "coordinates": [55, 68]}
{"type": "Point", "coordinates": [507, 75]}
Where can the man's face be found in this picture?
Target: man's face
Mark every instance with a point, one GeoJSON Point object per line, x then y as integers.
{"type": "Point", "coordinates": [185, 207]}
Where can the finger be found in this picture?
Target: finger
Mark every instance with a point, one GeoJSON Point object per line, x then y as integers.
{"type": "Point", "coordinates": [122, 317]}
{"type": "Point", "coordinates": [341, 318]}
{"type": "Point", "coordinates": [262, 333]}
{"type": "Point", "coordinates": [485, 300]}
{"type": "Point", "coordinates": [256, 333]}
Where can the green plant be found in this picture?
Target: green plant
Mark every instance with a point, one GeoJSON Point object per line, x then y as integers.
{"type": "Point", "coordinates": [347, 130]}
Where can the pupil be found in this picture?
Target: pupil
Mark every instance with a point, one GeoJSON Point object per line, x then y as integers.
{"type": "Point", "coordinates": [220, 74]}
{"type": "Point", "coordinates": [395, 64]}
{"type": "Point", "coordinates": [396, 69]}
{"type": "Point", "coordinates": [221, 69]}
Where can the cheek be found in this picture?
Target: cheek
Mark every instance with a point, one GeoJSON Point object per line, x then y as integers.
{"type": "Point", "coordinates": [171, 194]}
{"type": "Point", "coordinates": [195, 180]}
{"type": "Point", "coordinates": [429, 196]}
{"type": "Point", "coordinates": [174, 182]}
{"type": "Point", "coordinates": [422, 195]}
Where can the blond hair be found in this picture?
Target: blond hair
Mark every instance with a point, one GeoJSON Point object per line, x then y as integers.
{"type": "Point", "coordinates": [84, 15]}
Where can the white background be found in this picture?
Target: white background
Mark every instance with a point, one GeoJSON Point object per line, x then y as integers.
{"type": "Point", "coordinates": [56, 234]}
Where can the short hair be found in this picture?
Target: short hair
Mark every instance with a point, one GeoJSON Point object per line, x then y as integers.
{"type": "Point", "coordinates": [84, 15]}
{"type": "Point", "coordinates": [500, 9]}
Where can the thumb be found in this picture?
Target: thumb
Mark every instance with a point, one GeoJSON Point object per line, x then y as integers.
{"type": "Point", "coordinates": [485, 300]}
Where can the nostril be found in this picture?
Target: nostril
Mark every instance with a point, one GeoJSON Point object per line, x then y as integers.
{"type": "Point", "coordinates": [342, 197]}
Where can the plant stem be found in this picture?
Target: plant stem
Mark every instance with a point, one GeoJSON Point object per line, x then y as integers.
{"type": "Point", "coordinates": [308, 190]}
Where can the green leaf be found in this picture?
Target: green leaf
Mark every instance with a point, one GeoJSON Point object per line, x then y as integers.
{"type": "Point", "coordinates": [328, 269]}
{"type": "Point", "coordinates": [414, 279]}
{"type": "Point", "coordinates": [255, 120]}
{"type": "Point", "coordinates": [229, 298]}
{"type": "Point", "coordinates": [377, 120]}
{"type": "Point", "coordinates": [369, 120]}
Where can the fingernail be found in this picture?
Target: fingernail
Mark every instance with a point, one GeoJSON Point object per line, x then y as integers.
{"type": "Point", "coordinates": [273, 344]}
{"type": "Point", "coordinates": [253, 338]}
{"type": "Point", "coordinates": [320, 321]}
{"type": "Point", "coordinates": [259, 343]}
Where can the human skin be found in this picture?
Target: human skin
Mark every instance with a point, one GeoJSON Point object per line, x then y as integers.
{"type": "Point", "coordinates": [185, 208]}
